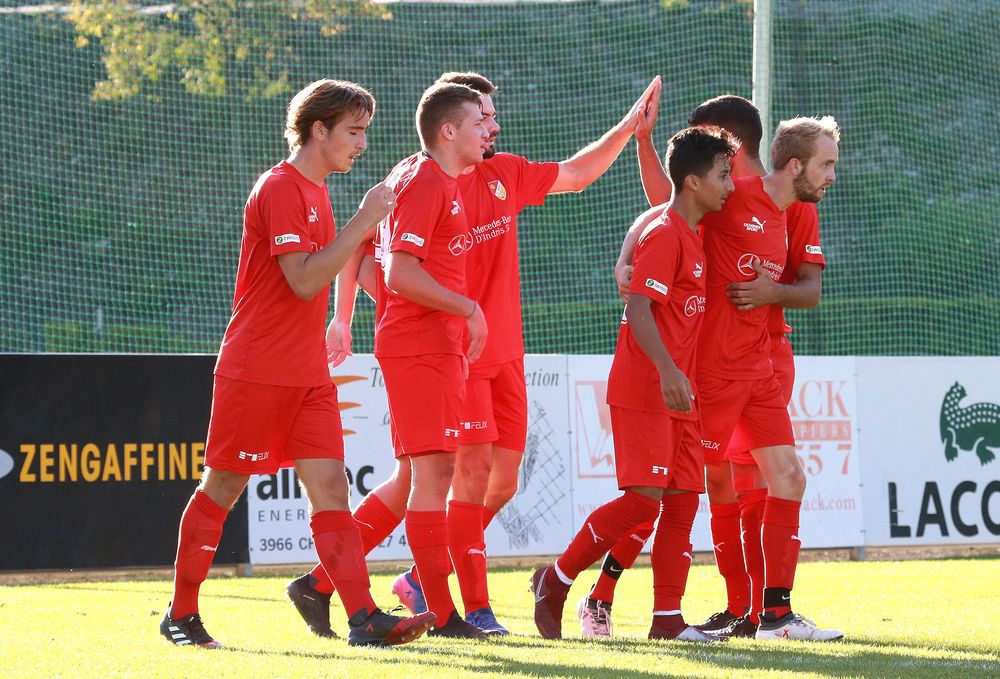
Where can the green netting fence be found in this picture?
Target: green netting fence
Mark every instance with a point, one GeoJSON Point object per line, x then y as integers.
{"type": "Point", "coordinates": [131, 134]}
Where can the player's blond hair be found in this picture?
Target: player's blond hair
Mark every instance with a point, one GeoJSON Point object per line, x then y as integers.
{"type": "Point", "coordinates": [796, 138]}
{"type": "Point", "coordinates": [325, 100]}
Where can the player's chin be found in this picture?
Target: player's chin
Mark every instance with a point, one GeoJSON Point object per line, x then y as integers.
{"type": "Point", "coordinates": [489, 153]}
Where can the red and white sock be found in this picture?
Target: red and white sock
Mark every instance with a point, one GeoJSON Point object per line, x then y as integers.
{"type": "Point", "coordinates": [751, 515]}
{"type": "Point", "coordinates": [602, 529]}
{"type": "Point", "coordinates": [467, 546]}
{"type": "Point", "coordinates": [427, 534]}
{"type": "Point", "coordinates": [672, 551]}
{"type": "Point", "coordinates": [729, 555]}
{"type": "Point", "coordinates": [780, 541]}
{"type": "Point", "coordinates": [198, 538]}
{"type": "Point", "coordinates": [338, 544]}
{"type": "Point", "coordinates": [621, 557]}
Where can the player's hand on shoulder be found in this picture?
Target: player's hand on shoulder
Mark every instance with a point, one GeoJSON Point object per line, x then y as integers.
{"type": "Point", "coordinates": [377, 203]}
{"type": "Point", "coordinates": [338, 342]}
{"type": "Point", "coordinates": [623, 278]}
{"type": "Point", "coordinates": [676, 389]}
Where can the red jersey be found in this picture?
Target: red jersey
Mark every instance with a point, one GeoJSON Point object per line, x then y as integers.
{"type": "Point", "coordinates": [803, 247]}
{"type": "Point", "coordinates": [273, 336]}
{"type": "Point", "coordinates": [669, 265]}
{"type": "Point", "coordinates": [748, 229]}
{"type": "Point", "coordinates": [428, 222]}
{"type": "Point", "coordinates": [494, 193]}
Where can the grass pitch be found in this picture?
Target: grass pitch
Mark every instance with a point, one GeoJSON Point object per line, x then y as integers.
{"type": "Point", "coordinates": [912, 618]}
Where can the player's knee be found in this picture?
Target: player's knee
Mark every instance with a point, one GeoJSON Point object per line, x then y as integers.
{"type": "Point", "coordinates": [327, 491]}
{"type": "Point", "coordinates": [223, 487]}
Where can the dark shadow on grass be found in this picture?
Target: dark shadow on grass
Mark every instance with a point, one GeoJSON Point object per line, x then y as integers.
{"type": "Point", "coordinates": [167, 590]}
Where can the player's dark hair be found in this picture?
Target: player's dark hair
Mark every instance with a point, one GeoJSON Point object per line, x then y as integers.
{"type": "Point", "coordinates": [476, 81]}
{"type": "Point", "coordinates": [440, 104]}
{"type": "Point", "coordinates": [694, 150]}
{"type": "Point", "coordinates": [326, 100]}
{"type": "Point", "coordinates": [736, 115]}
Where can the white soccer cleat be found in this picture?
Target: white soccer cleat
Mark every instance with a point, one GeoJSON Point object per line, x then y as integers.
{"type": "Point", "coordinates": [794, 626]}
{"type": "Point", "coordinates": [595, 618]}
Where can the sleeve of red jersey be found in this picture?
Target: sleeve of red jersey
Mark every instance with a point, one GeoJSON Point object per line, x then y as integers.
{"type": "Point", "coordinates": [419, 209]}
{"type": "Point", "coordinates": [283, 214]}
{"type": "Point", "coordinates": [534, 180]}
{"type": "Point", "coordinates": [803, 235]}
{"type": "Point", "coordinates": [655, 264]}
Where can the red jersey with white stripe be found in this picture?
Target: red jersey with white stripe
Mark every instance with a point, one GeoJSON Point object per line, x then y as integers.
{"type": "Point", "coordinates": [428, 222]}
{"type": "Point", "coordinates": [803, 247]}
{"type": "Point", "coordinates": [669, 269]}
{"type": "Point", "coordinates": [494, 192]}
{"type": "Point", "coordinates": [748, 230]}
{"type": "Point", "coordinates": [273, 337]}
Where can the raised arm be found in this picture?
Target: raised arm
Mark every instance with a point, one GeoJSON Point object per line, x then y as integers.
{"type": "Point", "coordinates": [655, 182]}
{"type": "Point", "coordinates": [592, 161]}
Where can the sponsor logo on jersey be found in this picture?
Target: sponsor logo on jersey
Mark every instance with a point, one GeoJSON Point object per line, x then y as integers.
{"type": "Point", "coordinates": [460, 244]}
{"type": "Point", "coordinates": [709, 445]}
{"type": "Point", "coordinates": [694, 304]}
{"type": "Point", "coordinates": [287, 238]}
{"type": "Point", "coordinates": [656, 285]}
{"type": "Point", "coordinates": [451, 432]}
{"type": "Point", "coordinates": [814, 250]}
{"type": "Point", "coordinates": [755, 225]}
{"type": "Point", "coordinates": [698, 268]}
{"type": "Point", "coordinates": [748, 260]}
{"type": "Point", "coordinates": [660, 470]}
{"type": "Point", "coordinates": [254, 457]}
{"type": "Point", "coordinates": [472, 424]}
{"type": "Point", "coordinates": [412, 238]}
{"type": "Point", "coordinates": [313, 217]}
{"type": "Point", "coordinates": [455, 209]}
{"type": "Point", "coordinates": [498, 189]}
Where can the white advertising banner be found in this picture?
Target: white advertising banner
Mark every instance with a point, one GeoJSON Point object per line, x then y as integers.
{"type": "Point", "coordinates": [931, 435]}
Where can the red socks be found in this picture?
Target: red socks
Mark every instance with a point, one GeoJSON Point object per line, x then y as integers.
{"type": "Point", "coordinates": [427, 534]}
{"type": "Point", "coordinates": [197, 540]}
{"type": "Point", "coordinates": [751, 514]}
{"type": "Point", "coordinates": [338, 544]}
{"type": "Point", "coordinates": [467, 546]}
{"type": "Point", "coordinates": [603, 529]}
{"type": "Point", "coordinates": [621, 557]}
{"type": "Point", "coordinates": [729, 555]}
{"type": "Point", "coordinates": [780, 541]}
{"type": "Point", "coordinates": [488, 515]}
{"type": "Point", "coordinates": [672, 551]}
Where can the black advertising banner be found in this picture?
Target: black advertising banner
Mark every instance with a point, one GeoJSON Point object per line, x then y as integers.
{"type": "Point", "coordinates": [99, 454]}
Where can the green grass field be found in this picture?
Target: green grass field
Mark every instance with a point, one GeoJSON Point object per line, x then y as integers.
{"type": "Point", "coordinates": [911, 618]}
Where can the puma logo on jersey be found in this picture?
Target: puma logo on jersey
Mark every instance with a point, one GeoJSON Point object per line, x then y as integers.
{"type": "Point", "coordinates": [698, 269]}
{"type": "Point", "coordinates": [455, 209]}
{"type": "Point", "coordinates": [313, 217]}
{"type": "Point", "coordinates": [480, 552]}
{"type": "Point", "coordinates": [755, 225]}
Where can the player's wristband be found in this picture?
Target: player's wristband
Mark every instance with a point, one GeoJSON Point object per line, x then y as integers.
{"type": "Point", "coordinates": [475, 305]}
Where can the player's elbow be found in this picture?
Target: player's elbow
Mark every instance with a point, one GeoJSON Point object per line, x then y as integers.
{"type": "Point", "coordinates": [304, 291]}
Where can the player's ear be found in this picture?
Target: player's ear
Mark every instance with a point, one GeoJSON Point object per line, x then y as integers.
{"type": "Point", "coordinates": [796, 167]}
{"type": "Point", "coordinates": [692, 182]}
{"type": "Point", "coordinates": [319, 129]}
{"type": "Point", "coordinates": [448, 131]}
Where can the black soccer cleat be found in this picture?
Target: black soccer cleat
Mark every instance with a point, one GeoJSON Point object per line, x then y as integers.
{"type": "Point", "coordinates": [384, 629]}
{"type": "Point", "coordinates": [718, 621]}
{"type": "Point", "coordinates": [457, 628]}
{"type": "Point", "coordinates": [741, 628]}
{"type": "Point", "coordinates": [312, 605]}
{"type": "Point", "coordinates": [187, 631]}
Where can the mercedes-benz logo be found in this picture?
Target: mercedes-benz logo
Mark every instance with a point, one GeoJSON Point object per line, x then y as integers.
{"type": "Point", "coordinates": [746, 264]}
{"type": "Point", "coordinates": [460, 243]}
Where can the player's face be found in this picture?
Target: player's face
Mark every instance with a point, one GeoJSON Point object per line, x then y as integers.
{"type": "Point", "coordinates": [716, 186]}
{"type": "Point", "coordinates": [471, 138]}
{"type": "Point", "coordinates": [491, 125]}
{"type": "Point", "coordinates": [818, 173]}
{"type": "Point", "coordinates": [345, 141]}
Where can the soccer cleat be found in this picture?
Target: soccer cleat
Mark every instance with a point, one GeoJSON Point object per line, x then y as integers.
{"type": "Point", "coordinates": [739, 628]}
{"type": "Point", "coordinates": [794, 626]}
{"type": "Point", "coordinates": [410, 593]}
{"type": "Point", "coordinates": [549, 602]}
{"type": "Point", "coordinates": [717, 621]}
{"type": "Point", "coordinates": [595, 618]}
{"type": "Point", "coordinates": [312, 605]}
{"type": "Point", "coordinates": [457, 628]}
{"type": "Point", "coordinates": [187, 631]}
{"type": "Point", "coordinates": [685, 633]}
{"type": "Point", "coordinates": [484, 619]}
{"type": "Point", "coordinates": [384, 629]}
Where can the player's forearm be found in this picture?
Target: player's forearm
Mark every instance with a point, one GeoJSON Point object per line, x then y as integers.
{"type": "Point", "coordinates": [592, 161]}
{"type": "Point", "coordinates": [407, 278]}
{"type": "Point", "coordinates": [802, 294]}
{"type": "Point", "coordinates": [346, 288]}
{"type": "Point", "coordinates": [309, 274]}
{"type": "Point", "coordinates": [655, 182]}
{"type": "Point", "coordinates": [366, 276]}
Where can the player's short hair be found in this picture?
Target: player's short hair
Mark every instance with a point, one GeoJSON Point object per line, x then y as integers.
{"type": "Point", "coordinates": [480, 83]}
{"type": "Point", "coordinates": [442, 103]}
{"type": "Point", "coordinates": [326, 100]}
{"type": "Point", "coordinates": [694, 150]}
{"type": "Point", "coordinates": [736, 115]}
{"type": "Point", "coordinates": [796, 138]}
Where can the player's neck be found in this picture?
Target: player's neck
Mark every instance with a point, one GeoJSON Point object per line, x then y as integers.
{"type": "Point", "coordinates": [448, 160]}
{"type": "Point", "coordinates": [309, 164]}
{"type": "Point", "coordinates": [781, 191]}
{"type": "Point", "coordinates": [685, 205]}
{"type": "Point", "coordinates": [745, 166]}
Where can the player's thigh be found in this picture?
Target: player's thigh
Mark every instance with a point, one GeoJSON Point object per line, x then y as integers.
{"type": "Point", "coordinates": [510, 406]}
{"type": "Point", "coordinates": [766, 416]}
{"type": "Point", "coordinates": [720, 404]}
{"type": "Point", "coordinates": [644, 448]}
{"type": "Point", "coordinates": [477, 424]}
{"type": "Point", "coordinates": [425, 395]}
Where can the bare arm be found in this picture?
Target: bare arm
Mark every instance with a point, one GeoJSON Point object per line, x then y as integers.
{"type": "Point", "coordinates": [309, 272]}
{"type": "Point", "coordinates": [591, 162]}
{"type": "Point", "coordinates": [803, 293]}
{"type": "Point", "coordinates": [655, 182]}
{"type": "Point", "coordinates": [405, 276]}
{"type": "Point", "coordinates": [623, 267]}
{"type": "Point", "coordinates": [338, 333]}
{"type": "Point", "coordinates": [674, 385]}
{"type": "Point", "coordinates": [366, 276]}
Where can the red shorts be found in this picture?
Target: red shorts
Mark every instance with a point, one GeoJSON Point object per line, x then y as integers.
{"type": "Point", "coordinates": [760, 403]}
{"type": "Point", "coordinates": [783, 363]}
{"type": "Point", "coordinates": [259, 428]}
{"type": "Point", "coordinates": [654, 449]}
{"type": "Point", "coordinates": [425, 397]}
{"type": "Point", "coordinates": [496, 406]}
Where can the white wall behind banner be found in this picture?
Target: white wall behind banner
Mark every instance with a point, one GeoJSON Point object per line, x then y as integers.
{"type": "Point", "coordinates": [931, 438]}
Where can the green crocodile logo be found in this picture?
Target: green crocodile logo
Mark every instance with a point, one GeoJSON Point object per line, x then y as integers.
{"type": "Point", "coordinates": [973, 428]}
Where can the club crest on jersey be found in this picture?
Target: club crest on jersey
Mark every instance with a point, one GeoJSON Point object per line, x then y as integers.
{"type": "Point", "coordinates": [755, 225]}
{"type": "Point", "coordinates": [698, 269]}
{"type": "Point", "coordinates": [498, 189]}
{"type": "Point", "coordinates": [656, 285]}
{"type": "Point", "coordinates": [455, 209]}
{"type": "Point", "coordinates": [313, 217]}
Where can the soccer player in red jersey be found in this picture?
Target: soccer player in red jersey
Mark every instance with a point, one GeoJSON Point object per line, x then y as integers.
{"type": "Point", "coordinates": [494, 415]}
{"type": "Point", "coordinates": [651, 392]}
{"type": "Point", "coordinates": [273, 404]}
